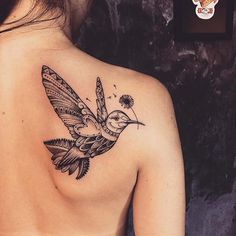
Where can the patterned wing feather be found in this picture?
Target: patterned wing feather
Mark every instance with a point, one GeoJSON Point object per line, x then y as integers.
{"type": "Point", "coordinates": [66, 103]}
{"type": "Point", "coordinates": [101, 105]}
{"type": "Point", "coordinates": [94, 146]}
{"type": "Point", "coordinates": [83, 168]}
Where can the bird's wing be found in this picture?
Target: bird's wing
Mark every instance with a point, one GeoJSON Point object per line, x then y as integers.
{"type": "Point", "coordinates": [95, 145]}
{"type": "Point", "coordinates": [67, 104]}
{"type": "Point", "coordinates": [101, 105]}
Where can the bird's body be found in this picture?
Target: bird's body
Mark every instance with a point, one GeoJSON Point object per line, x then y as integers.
{"type": "Point", "coordinates": [70, 155]}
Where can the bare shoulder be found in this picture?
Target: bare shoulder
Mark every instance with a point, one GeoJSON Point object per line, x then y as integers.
{"type": "Point", "coordinates": [151, 96]}
{"type": "Point", "coordinates": [160, 160]}
{"type": "Point", "coordinates": [153, 99]}
{"type": "Point", "coordinates": [154, 107]}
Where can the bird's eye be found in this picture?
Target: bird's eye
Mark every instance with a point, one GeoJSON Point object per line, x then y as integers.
{"type": "Point", "coordinates": [116, 118]}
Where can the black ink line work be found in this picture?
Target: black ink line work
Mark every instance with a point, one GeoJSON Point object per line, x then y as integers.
{"type": "Point", "coordinates": [88, 99]}
{"type": "Point", "coordinates": [127, 102]}
{"type": "Point", "coordinates": [70, 155]}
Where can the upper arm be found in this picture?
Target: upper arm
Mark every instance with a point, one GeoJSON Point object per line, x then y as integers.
{"type": "Point", "coordinates": [159, 197]}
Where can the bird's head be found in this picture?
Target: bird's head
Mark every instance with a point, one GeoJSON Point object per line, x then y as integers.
{"type": "Point", "coordinates": [117, 121]}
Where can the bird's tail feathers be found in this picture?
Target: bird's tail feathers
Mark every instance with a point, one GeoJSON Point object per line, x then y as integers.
{"type": "Point", "coordinates": [83, 168]}
{"type": "Point", "coordinates": [81, 164]}
{"type": "Point", "coordinates": [65, 157]}
{"type": "Point", "coordinates": [58, 148]}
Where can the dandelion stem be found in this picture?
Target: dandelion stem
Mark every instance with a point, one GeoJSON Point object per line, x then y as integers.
{"type": "Point", "coordinates": [135, 117]}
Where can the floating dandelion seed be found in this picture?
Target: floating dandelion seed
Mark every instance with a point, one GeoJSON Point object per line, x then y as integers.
{"type": "Point", "coordinates": [127, 102]}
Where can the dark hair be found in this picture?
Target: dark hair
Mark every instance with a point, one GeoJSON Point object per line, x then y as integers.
{"type": "Point", "coordinates": [6, 7]}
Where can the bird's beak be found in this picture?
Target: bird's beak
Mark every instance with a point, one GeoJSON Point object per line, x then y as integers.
{"type": "Point", "coordinates": [134, 122]}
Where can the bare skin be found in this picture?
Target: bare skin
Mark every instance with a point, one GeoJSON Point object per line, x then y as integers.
{"type": "Point", "coordinates": [35, 198]}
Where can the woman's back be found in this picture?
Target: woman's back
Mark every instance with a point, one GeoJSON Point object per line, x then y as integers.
{"type": "Point", "coordinates": [79, 139]}
{"type": "Point", "coordinates": [40, 197]}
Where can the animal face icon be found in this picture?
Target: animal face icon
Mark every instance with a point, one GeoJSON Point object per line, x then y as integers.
{"type": "Point", "coordinates": [205, 9]}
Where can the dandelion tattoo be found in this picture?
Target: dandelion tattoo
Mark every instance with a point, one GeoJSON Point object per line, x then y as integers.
{"type": "Point", "coordinates": [127, 102]}
{"type": "Point", "coordinates": [71, 155]}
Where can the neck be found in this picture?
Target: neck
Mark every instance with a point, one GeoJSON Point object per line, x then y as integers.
{"type": "Point", "coordinates": [34, 39]}
{"type": "Point", "coordinates": [43, 34]}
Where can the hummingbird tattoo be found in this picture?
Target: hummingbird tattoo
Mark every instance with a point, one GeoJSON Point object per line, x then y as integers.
{"type": "Point", "coordinates": [92, 135]}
